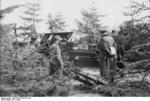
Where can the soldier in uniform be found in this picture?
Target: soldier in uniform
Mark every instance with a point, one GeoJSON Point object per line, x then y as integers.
{"type": "Point", "coordinates": [56, 62]}
{"type": "Point", "coordinates": [92, 42]}
{"type": "Point", "coordinates": [107, 58]}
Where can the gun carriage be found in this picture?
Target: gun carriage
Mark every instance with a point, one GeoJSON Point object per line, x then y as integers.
{"type": "Point", "coordinates": [78, 58]}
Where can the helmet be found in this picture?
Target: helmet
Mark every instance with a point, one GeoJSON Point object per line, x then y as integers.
{"type": "Point", "coordinates": [57, 38]}
{"type": "Point", "coordinates": [102, 31]}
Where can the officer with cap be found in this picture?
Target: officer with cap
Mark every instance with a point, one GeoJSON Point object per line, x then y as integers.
{"type": "Point", "coordinates": [107, 55]}
{"type": "Point", "coordinates": [56, 62]}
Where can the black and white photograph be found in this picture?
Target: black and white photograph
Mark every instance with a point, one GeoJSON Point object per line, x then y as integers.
{"type": "Point", "coordinates": [74, 48]}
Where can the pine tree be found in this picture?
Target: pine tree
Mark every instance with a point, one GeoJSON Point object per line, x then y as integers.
{"type": "Point", "coordinates": [56, 23]}
{"type": "Point", "coordinates": [138, 11]}
{"type": "Point", "coordinates": [31, 18]}
{"type": "Point", "coordinates": [90, 21]}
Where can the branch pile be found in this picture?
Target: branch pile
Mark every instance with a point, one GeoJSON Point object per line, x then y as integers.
{"type": "Point", "coordinates": [138, 52]}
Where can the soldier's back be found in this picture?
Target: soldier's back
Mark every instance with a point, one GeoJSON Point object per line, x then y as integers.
{"type": "Point", "coordinates": [54, 51]}
{"type": "Point", "coordinates": [109, 40]}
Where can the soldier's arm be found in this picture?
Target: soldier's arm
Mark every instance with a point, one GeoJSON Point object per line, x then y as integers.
{"type": "Point", "coordinates": [58, 51]}
{"type": "Point", "coordinates": [106, 46]}
{"type": "Point", "coordinates": [115, 44]}
{"type": "Point", "coordinates": [99, 46]}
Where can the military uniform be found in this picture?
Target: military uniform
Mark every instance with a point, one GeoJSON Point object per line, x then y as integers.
{"type": "Point", "coordinates": [56, 62]}
{"type": "Point", "coordinates": [107, 64]}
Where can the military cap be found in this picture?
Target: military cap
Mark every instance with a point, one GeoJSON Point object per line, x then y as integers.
{"type": "Point", "coordinates": [102, 30]}
{"type": "Point", "coordinates": [57, 38]}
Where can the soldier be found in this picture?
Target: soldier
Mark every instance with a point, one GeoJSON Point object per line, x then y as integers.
{"type": "Point", "coordinates": [56, 62]}
{"type": "Point", "coordinates": [92, 42]}
{"type": "Point", "coordinates": [107, 48]}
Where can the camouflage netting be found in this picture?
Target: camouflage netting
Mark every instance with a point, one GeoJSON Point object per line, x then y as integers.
{"type": "Point", "coordinates": [27, 75]}
{"type": "Point", "coordinates": [138, 52]}
{"type": "Point", "coordinates": [135, 81]}
{"type": "Point", "coordinates": [134, 88]}
{"type": "Point", "coordinates": [135, 77]}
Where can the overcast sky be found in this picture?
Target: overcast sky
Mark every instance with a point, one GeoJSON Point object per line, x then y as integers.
{"type": "Point", "coordinates": [71, 10]}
